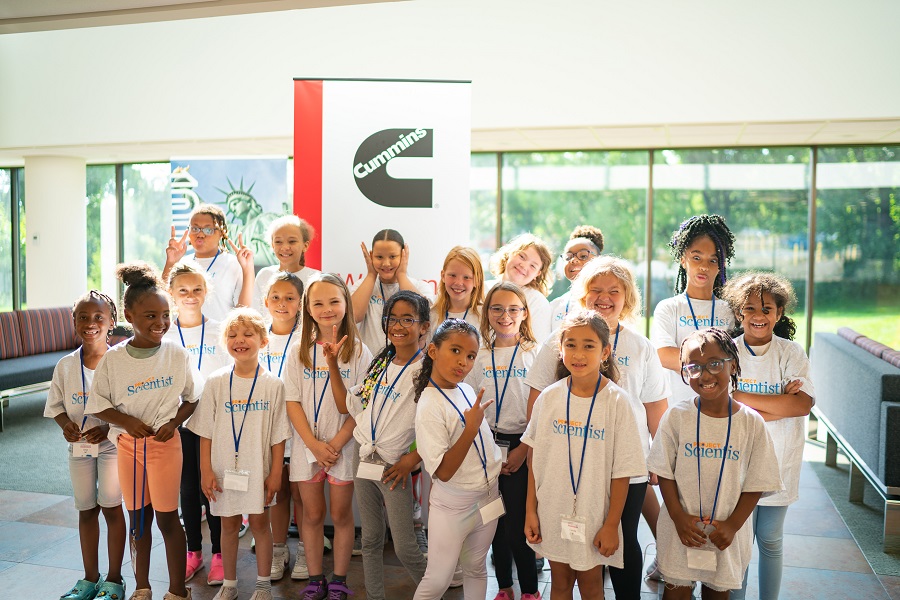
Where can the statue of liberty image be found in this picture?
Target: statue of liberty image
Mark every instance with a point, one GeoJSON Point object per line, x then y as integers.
{"type": "Point", "coordinates": [241, 207]}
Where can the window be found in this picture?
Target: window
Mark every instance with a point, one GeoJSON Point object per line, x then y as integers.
{"type": "Point", "coordinates": [6, 241]}
{"type": "Point", "coordinates": [147, 212]}
{"type": "Point", "coordinates": [101, 228]}
{"type": "Point", "coordinates": [483, 205]}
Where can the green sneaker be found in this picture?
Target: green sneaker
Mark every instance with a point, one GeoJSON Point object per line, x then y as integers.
{"type": "Point", "coordinates": [108, 590]}
{"type": "Point", "coordinates": [83, 590]}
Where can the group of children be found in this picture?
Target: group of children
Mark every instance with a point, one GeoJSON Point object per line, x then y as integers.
{"type": "Point", "coordinates": [544, 427]}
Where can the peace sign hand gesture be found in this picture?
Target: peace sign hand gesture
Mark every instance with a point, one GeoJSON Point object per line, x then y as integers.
{"type": "Point", "coordinates": [332, 349]}
{"type": "Point", "coordinates": [176, 249]}
{"type": "Point", "coordinates": [243, 254]}
{"type": "Point", "coordinates": [475, 415]}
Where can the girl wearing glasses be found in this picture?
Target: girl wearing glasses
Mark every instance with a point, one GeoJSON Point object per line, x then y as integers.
{"type": "Point", "coordinates": [230, 275]}
{"type": "Point", "coordinates": [508, 349]}
{"type": "Point", "coordinates": [714, 458]}
{"type": "Point", "coordinates": [525, 261]}
{"type": "Point", "coordinates": [384, 408]}
{"type": "Point", "coordinates": [775, 382]}
{"type": "Point", "coordinates": [585, 243]}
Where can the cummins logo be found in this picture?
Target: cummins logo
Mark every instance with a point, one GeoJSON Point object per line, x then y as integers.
{"type": "Point", "coordinates": [370, 167]}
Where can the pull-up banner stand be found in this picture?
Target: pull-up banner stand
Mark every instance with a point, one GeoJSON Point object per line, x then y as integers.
{"type": "Point", "coordinates": [378, 154]}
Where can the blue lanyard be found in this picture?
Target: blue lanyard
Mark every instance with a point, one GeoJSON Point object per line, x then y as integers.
{"type": "Point", "coordinates": [283, 354]}
{"type": "Point", "coordinates": [499, 396]}
{"type": "Point", "coordinates": [373, 419]}
{"type": "Point", "coordinates": [482, 454]}
{"type": "Point", "coordinates": [237, 434]}
{"type": "Point", "coordinates": [447, 314]}
{"type": "Point", "coordinates": [616, 342]}
{"type": "Point", "coordinates": [721, 469]}
{"type": "Point", "coordinates": [749, 349]}
{"type": "Point", "coordinates": [83, 388]}
{"type": "Point", "coordinates": [576, 483]}
{"type": "Point", "coordinates": [318, 407]}
{"type": "Point", "coordinates": [569, 299]}
{"type": "Point", "coordinates": [213, 260]}
{"type": "Point", "coordinates": [712, 315]}
{"type": "Point", "coordinates": [134, 521]}
{"type": "Point", "coordinates": [202, 336]}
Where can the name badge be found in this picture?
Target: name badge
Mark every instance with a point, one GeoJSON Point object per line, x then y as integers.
{"type": "Point", "coordinates": [504, 449]}
{"type": "Point", "coordinates": [572, 528]}
{"type": "Point", "coordinates": [492, 509]}
{"type": "Point", "coordinates": [236, 480]}
{"type": "Point", "coordinates": [368, 470]}
{"type": "Point", "coordinates": [310, 457]}
{"type": "Point", "coordinates": [701, 559]}
{"type": "Point", "coordinates": [85, 449]}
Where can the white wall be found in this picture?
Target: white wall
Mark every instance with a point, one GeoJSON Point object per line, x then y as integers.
{"type": "Point", "coordinates": [533, 63]}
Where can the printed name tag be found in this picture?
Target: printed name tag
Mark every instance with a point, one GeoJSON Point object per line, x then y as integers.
{"type": "Point", "coordinates": [369, 470]}
{"type": "Point", "coordinates": [701, 559]}
{"type": "Point", "coordinates": [494, 509]}
{"type": "Point", "coordinates": [573, 529]}
{"type": "Point", "coordinates": [310, 457]}
{"type": "Point", "coordinates": [238, 481]}
{"type": "Point", "coordinates": [85, 449]}
{"type": "Point", "coordinates": [504, 449]}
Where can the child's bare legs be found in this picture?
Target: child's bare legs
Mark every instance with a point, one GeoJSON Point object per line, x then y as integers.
{"type": "Point", "coordinates": [650, 509]}
{"type": "Point", "coordinates": [262, 533]}
{"type": "Point", "coordinates": [142, 546]}
{"type": "Point", "coordinates": [686, 593]}
{"type": "Point", "coordinates": [231, 526]}
{"type": "Point", "coordinates": [708, 594]}
{"type": "Point", "coordinates": [115, 541]}
{"type": "Point", "coordinates": [89, 536]}
{"type": "Point", "coordinates": [313, 534]}
{"type": "Point", "coordinates": [281, 510]}
{"type": "Point", "coordinates": [563, 578]}
{"type": "Point", "coordinates": [176, 550]}
{"type": "Point", "coordinates": [590, 583]}
{"type": "Point", "coordinates": [344, 530]}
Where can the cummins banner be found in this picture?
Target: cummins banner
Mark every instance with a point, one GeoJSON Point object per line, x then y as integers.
{"type": "Point", "coordinates": [377, 154]}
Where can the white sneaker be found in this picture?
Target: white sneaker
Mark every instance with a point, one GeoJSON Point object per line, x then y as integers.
{"type": "Point", "coordinates": [280, 558]}
{"type": "Point", "coordinates": [226, 593]}
{"type": "Point", "coordinates": [300, 571]}
{"type": "Point", "coordinates": [260, 595]}
{"type": "Point", "coordinates": [457, 580]}
{"type": "Point", "coordinates": [327, 544]}
{"type": "Point", "coordinates": [357, 545]}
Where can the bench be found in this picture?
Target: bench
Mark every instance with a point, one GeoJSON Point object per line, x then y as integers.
{"type": "Point", "coordinates": [858, 403]}
{"type": "Point", "coordinates": [31, 343]}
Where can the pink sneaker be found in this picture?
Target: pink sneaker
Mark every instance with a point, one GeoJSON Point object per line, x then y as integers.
{"type": "Point", "coordinates": [536, 596]}
{"type": "Point", "coordinates": [503, 595]}
{"type": "Point", "coordinates": [194, 564]}
{"type": "Point", "coordinates": [216, 571]}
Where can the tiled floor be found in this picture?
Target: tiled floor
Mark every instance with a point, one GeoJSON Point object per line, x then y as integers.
{"type": "Point", "coordinates": [40, 555]}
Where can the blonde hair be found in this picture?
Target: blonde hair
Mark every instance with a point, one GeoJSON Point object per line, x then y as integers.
{"type": "Point", "coordinates": [603, 265]}
{"type": "Point", "coordinates": [520, 243]}
{"type": "Point", "coordinates": [470, 259]}
{"type": "Point", "coordinates": [526, 335]}
{"type": "Point", "coordinates": [309, 329]}
{"type": "Point", "coordinates": [243, 316]}
{"type": "Point", "coordinates": [186, 268]}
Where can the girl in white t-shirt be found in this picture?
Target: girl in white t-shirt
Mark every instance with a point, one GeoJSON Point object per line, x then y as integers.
{"type": "Point", "coordinates": [774, 381]}
{"type": "Point", "coordinates": [230, 275]}
{"type": "Point", "coordinates": [386, 266]}
{"type": "Point", "coordinates": [526, 261]}
{"type": "Point", "coordinates": [92, 457]}
{"type": "Point", "coordinates": [145, 388]}
{"type": "Point", "coordinates": [241, 457]}
{"type": "Point", "coordinates": [283, 299]}
{"type": "Point", "coordinates": [507, 352]}
{"type": "Point", "coordinates": [459, 452]}
{"type": "Point", "coordinates": [714, 459]}
{"type": "Point", "coordinates": [585, 243]}
{"type": "Point", "coordinates": [461, 288]}
{"type": "Point", "coordinates": [582, 424]}
{"type": "Point", "coordinates": [289, 237]}
{"type": "Point", "coordinates": [200, 336]}
{"type": "Point", "coordinates": [328, 361]}
{"type": "Point", "coordinates": [384, 408]}
{"type": "Point", "coordinates": [703, 246]}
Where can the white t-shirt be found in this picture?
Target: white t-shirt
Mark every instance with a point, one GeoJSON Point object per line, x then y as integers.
{"type": "Point", "coordinates": [273, 354]}
{"type": "Point", "coordinates": [673, 323]}
{"type": "Point", "coordinates": [66, 394]}
{"type": "Point", "coordinates": [264, 280]}
{"type": "Point", "coordinates": [468, 316]}
{"type": "Point", "coordinates": [393, 410]}
{"type": "Point", "coordinates": [261, 422]}
{"type": "Point", "coordinates": [150, 389]}
{"type": "Point", "coordinates": [783, 362]}
{"type": "Point", "coordinates": [370, 330]}
{"type": "Point", "coordinates": [514, 410]}
{"type": "Point", "coordinates": [750, 466]}
{"type": "Point", "coordinates": [613, 450]}
{"type": "Point", "coordinates": [561, 307]}
{"type": "Point", "coordinates": [438, 427]}
{"type": "Point", "coordinates": [312, 388]}
{"type": "Point", "coordinates": [213, 355]}
{"type": "Point", "coordinates": [538, 309]}
{"type": "Point", "coordinates": [225, 280]}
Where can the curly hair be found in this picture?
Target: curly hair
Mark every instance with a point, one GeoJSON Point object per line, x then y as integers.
{"type": "Point", "coordinates": [520, 243]}
{"type": "Point", "coordinates": [592, 319]}
{"type": "Point", "coordinates": [755, 284]}
{"type": "Point", "coordinates": [589, 233]}
{"type": "Point", "coordinates": [612, 265]}
{"type": "Point", "coordinates": [714, 335]}
{"type": "Point", "coordinates": [139, 278]}
{"type": "Point", "coordinates": [444, 330]}
{"type": "Point", "coordinates": [713, 227]}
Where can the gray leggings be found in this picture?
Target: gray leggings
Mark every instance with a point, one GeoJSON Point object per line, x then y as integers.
{"type": "Point", "coordinates": [370, 496]}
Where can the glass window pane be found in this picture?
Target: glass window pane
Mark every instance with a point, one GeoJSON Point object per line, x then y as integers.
{"type": "Point", "coordinates": [6, 240]}
{"type": "Point", "coordinates": [858, 242]}
{"type": "Point", "coordinates": [101, 228]}
{"type": "Point", "coordinates": [483, 204]}
{"type": "Point", "coordinates": [763, 194]}
{"type": "Point", "coordinates": [147, 212]}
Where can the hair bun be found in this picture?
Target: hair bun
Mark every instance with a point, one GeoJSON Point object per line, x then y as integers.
{"type": "Point", "coordinates": [138, 274]}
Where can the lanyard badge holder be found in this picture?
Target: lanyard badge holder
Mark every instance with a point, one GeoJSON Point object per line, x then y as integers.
{"type": "Point", "coordinates": [238, 480]}
{"type": "Point", "coordinates": [373, 466]}
{"type": "Point", "coordinates": [572, 527]}
{"type": "Point", "coordinates": [310, 457]}
{"type": "Point", "coordinates": [489, 508]}
{"type": "Point", "coordinates": [706, 558]}
{"type": "Point", "coordinates": [502, 444]}
{"type": "Point", "coordinates": [82, 449]}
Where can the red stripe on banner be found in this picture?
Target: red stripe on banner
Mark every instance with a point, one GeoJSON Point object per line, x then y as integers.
{"type": "Point", "coordinates": [308, 162]}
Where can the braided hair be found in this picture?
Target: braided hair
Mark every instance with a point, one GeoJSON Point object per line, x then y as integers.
{"type": "Point", "coordinates": [218, 216]}
{"type": "Point", "coordinates": [98, 296]}
{"type": "Point", "coordinates": [713, 227]}
{"type": "Point", "coordinates": [716, 336]}
{"type": "Point", "coordinates": [444, 330]}
{"type": "Point", "coordinates": [755, 284]}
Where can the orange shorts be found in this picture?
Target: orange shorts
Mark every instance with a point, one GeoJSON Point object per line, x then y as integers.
{"type": "Point", "coordinates": [322, 475]}
{"type": "Point", "coordinates": [163, 464]}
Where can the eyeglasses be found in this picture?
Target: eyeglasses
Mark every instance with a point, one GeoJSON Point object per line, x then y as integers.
{"type": "Point", "coordinates": [694, 370]}
{"type": "Point", "coordinates": [513, 311]}
{"type": "Point", "coordinates": [405, 321]}
{"type": "Point", "coordinates": [205, 230]}
{"type": "Point", "coordinates": [581, 256]}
